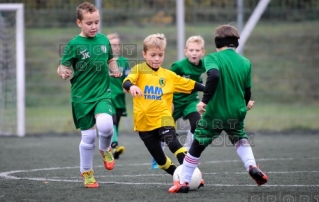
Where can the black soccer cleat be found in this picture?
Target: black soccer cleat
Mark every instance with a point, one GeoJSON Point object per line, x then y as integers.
{"type": "Point", "coordinates": [118, 151]}
{"type": "Point", "coordinates": [179, 188]}
{"type": "Point", "coordinates": [260, 177]}
{"type": "Point", "coordinates": [202, 183]}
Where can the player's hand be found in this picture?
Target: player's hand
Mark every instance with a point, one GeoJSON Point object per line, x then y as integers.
{"type": "Point", "coordinates": [116, 73]}
{"type": "Point", "coordinates": [64, 72]}
{"type": "Point", "coordinates": [135, 91]}
{"type": "Point", "coordinates": [250, 105]}
{"type": "Point", "coordinates": [201, 107]}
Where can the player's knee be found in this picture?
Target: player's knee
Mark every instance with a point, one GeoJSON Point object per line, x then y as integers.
{"type": "Point", "coordinates": [86, 146]}
{"type": "Point", "coordinates": [203, 140]}
{"type": "Point", "coordinates": [88, 136]}
{"type": "Point", "coordinates": [106, 131]}
{"type": "Point", "coordinates": [104, 124]}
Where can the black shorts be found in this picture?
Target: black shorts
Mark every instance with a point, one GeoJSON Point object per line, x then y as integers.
{"type": "Point", "coordinates": [163, 134]}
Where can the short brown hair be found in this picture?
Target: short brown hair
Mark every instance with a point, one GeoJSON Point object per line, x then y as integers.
{"type": "Point", "coordinates": [154, 41]}
{"type": "Point", "coordinates": [226, 31]}
{"type": "Point", "coordinates": [85, 7]}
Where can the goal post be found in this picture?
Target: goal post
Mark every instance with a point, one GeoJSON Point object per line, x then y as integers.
{"type": "Point", "coordinates": [18, 9]}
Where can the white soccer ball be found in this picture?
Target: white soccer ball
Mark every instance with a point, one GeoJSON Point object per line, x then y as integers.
{"type": "Point", "coordinates": [195, 180]}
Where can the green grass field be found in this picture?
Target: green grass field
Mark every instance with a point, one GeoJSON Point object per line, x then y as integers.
{"type": "Point", "coordinates": [285, 83]}
{"type": "Point", "coordinates": [46, 168]}
{"type": "Point", "coordinates": [263, 117]}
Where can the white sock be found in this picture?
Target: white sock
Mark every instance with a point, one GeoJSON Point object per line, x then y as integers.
{"type": "Point", "coordinates": [86, 149]}
{"type": "Point", "coordinates": [189, 164]}
{"type": "Point", "coordinates": [104, 124]}
{"type": "Point", "coordinates": [189, 140]}
{"type": "Point", "coordinates": [245, 152]}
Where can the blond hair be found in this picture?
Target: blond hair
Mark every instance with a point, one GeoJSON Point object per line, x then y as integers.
{"type": "Point", "coordinates": [195, 39]}
{"type": "Point", "coordinates": [113, 36]}
{"type": "Point", "coordinates": [154, 41]}
{"type": "Point", "coordinates": [85, 7]}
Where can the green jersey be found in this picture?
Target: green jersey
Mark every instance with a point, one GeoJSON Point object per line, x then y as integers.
{"type": "Point", "coordinates": [188, 70]}
{"type": "Point", "coordinates": [118, 95]}
{"type": "Point", "coordinates": [228, 102]}
{"type": "Point", "coordinates": [88, 57]}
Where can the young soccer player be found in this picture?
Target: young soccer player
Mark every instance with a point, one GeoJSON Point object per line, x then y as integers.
{"type": "Point", "coordinates": [152, 88]}
{"type": "Point", "coordinates": [191, 67]}
{"type": "Point", "coordinates": [185, 104]}
{"type": "Point", "coordinates": [118, 94]}
{"type": "Point", "coordinates": [90, 55]}
{"type": "Point", "coordinates": [223, 107]}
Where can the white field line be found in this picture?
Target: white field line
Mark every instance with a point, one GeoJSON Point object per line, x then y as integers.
{"type": "Point", "coordinates": [9, 175]}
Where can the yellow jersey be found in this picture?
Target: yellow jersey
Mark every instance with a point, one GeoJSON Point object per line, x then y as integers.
{"type": "Point", "coordinates": [154, 109]}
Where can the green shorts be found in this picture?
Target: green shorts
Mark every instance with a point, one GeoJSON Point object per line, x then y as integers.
{"type": "Point", "coordinates": [181, 111]}
{"type": "Point", "coordinates": [205, 133]}
{"type": "Point", "coordinates": [84, 113]}
{"type": "Point", "coordinates": [118, 111]}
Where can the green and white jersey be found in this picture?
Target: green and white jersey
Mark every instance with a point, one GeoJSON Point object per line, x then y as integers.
{"type": "Point", "coordinates": [88, 57]}
{"type": "Point", "coordinates": [228, 102]}
{"type": "Point", "coordinates": [186, 69]}
{"type": "Point", "coordinates": [118, 95]}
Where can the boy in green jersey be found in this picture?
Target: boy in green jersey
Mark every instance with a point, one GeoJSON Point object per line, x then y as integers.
{"type": "Point", "coordinates": [117, 92]}
{"type": "Point", "coordinates": [223, 107]}
{"type": "Point", "coordinates": [184, 105]}
{"type": "Point", "coordinates": [191, 67]}
{"type": "Point", "coordinates": [90, 55]}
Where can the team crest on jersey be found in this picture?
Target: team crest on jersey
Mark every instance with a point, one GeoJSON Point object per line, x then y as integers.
{"type": "Point", "coordinates": [103, 49]}
{"type": "Point", "coordinates": [162, 82]}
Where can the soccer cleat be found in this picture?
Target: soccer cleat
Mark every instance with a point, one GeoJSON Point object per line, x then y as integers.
{"type": "Point", "coordinates": [202, 183]}
{"type": "Point", "coordinates": [179, 188]}
{"type": "Point", "coordinates": [118, 151]}
{"type": "Point", "coordinates": [154, 165]}
{"type": "Point", "coordinates": [89, 180]}
{"type": "Point", "coordinates": [260, 177]}
{"type": "Point", "coordinates": [108, 159]}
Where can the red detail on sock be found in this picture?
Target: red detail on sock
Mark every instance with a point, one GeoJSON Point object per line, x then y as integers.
{"type": "Point", "coordinates": [241, 143]}
{"type": "Point", "coordinates": [191, 160]}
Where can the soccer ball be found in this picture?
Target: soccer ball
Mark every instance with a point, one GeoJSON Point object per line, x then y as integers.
{"type": "Point", "coordinates": [195, 180]}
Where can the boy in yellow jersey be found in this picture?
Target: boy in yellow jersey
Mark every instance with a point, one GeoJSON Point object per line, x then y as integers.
{"type": "Point", "coordinates": [152, 88]}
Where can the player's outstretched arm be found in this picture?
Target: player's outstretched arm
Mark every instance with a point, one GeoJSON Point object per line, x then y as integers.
{"type": "Point", "coordinates": [136, 91]}
{"type": "Point", "coordinates": [133, 89]}
{"type": "Point", "coordinates": [64, 72]}
{"type": "Point", "coordinates": [211, 85]}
